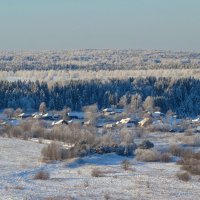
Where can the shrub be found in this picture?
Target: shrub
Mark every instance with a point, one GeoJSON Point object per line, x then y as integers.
{"type": "Point", "coordinates": [187, 153]}
{"type": "Point", "coordinates": [126, 149]}
{"type": "Point", "coordinates": [196, 140]}
{"type": "Point", "coordinates": [191, 165]}
{"type": "Point", "coordinates": [15, 132]}
{"type": "Point", "coordinates": [139, 132]}
{"type": "Point", "coordinates": [26, 125]}
{"type": "Point", "coordinates": [193, 140]}
{"type": "Point", "coordinates": [190, 162]}
{"type": "Point", "coordinates": [37, 132]}
{"type": "Point", "coordinates": [183, 176]}
{"type": "Point", "coordinates": [175, 150]}
{"type": "Point", "coordinates": [42, 175]}
{"type": "Point", "coordinates": [97, 173]}
{"type": "Point", "coordinates": [125, 164]}
{"type": "Point", "coordinates": [158, 127]}
{"type": "Point", "coordinates": [126, 136]}
{"type": "Point", "coordinates": [165, 157]}
{"type": "Point", "coordinates": [147, 155]}
{"type": "Point", "coordinates": [146, 144]}
{"type": "Point", "coordinates": [52, 152]}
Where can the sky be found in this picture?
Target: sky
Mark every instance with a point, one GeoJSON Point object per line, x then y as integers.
{"type": "Point", "coordinates": [99, 24]}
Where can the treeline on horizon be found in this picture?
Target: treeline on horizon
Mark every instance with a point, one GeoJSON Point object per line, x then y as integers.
{"type": "Point", "coordinates": [94, 67]}
{"type": "Point", "coordinates": [181, 96]}
{"type": "Point", "coordinates": [95, 60]}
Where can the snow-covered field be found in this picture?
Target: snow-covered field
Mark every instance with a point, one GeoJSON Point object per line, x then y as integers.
{"type": "Point", "coordinates": [20, 160]}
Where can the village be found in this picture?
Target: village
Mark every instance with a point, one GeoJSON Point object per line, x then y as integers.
{"type": "Point", "coordinates": [108, 118]}
{"type": "Point", "coordinates": [146, 161]}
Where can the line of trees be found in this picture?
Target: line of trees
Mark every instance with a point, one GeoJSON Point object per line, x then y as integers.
{"type": "Point", "coordinates": [98, 60]}
{"type": "Point", "coordinates": [181, 96]}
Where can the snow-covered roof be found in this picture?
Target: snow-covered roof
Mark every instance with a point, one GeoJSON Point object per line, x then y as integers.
{"type": "Point", "coordinates": [125, 121]}
{"type": "Point", "coordinates": [21, 115]}
{"type": "Point", "coordinates": [59, 122]}
{"type": "Point", "coordinates": [196, 120]}
{"type": "Point", "coordinates": [79, 115]}
{"type": "Point", "coordinates": [108, 110]}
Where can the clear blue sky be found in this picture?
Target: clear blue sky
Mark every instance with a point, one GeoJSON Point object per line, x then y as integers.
{"type": "Point", "coordinates": [123, 24]}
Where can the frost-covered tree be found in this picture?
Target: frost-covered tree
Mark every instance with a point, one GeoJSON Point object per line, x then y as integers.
{"type": "Point", "coordinates": [148, 104]}
{"type": "Point", "coordinates": [42, 108]}
{"type": "Point", "coordinates": [136, 102]}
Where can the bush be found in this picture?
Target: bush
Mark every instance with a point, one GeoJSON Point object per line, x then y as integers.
{"type": "Point", "coordinates": [37, 132]}
{"type": "Point", "coordinates": [126, 149]}
{"type": "Point", "coordinates": [187, 153]}
{"type": "Point", "coordinates": [196, 140]}
{"type": "Point", "coordinates": [183, 176]}
{"type": "Point", "coordinates": [165, 157]}
{"type": "Point", "coordinates": [52, 152]}
{"type": "Point", "coordinates": [26, 125]}
{"type": "Point", "coordinates": [97, 173]}
{"type": "Point", "coordinates": [190, 162]}
{"type": "Point", "coordinates": [158, 128]}
{"type": "Point", "coordinates": [191, 165]}
{"type": "Point", "coordinates": [125, 164]}
{"type": "Point", "coordinates": [15, 132]}
{"type": "Point", "coordinates": [193, 140]}
{"type": "Point", "coordinates": [126, 136]}
{"type": "Point", "coordinates": [42, 175]}
{"type": "Point", "coordinates": [146, 144]}
{"type": "Point", "coordinates": [176, 150]}
{"type": "Point", "coordinates": [147, 155]}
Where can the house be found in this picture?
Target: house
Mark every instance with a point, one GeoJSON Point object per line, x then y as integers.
{"type": "Point", "coordinates": [197, 120]}
{"type": "Point", "coordinates": [76, 115]}
{"type": "Point", "coordinates": [119, 110]}
{"type": "Point", "coordinates": [117, 123]}
{"type": "Point", "coordinates": [109, 126]}
{"type": "Point", "coordinates": [146, 121]}
{"type": "Point", "coordinates": [108, 111]}
{"type": "Point", "coordinates": [3, 123]}
{"type": "Point", "coordinates": [125, 121]}
{"type": "Point", "coordinates": [157, 114]}
{"type": "Point", "coordinates": [47, 116]}
{"type": "Point", "coordinates": [99, 125]}
{"type": "Point", "coordinates": [23, 115]}
{"type": "Point", "coordinates": [36, 115]}
{"type": "Point", "coordinates": [130, 124]}
{"type": "Point", "coordinates": [60, 122]}
{"type": "Point", "coordinates": [87, 123]}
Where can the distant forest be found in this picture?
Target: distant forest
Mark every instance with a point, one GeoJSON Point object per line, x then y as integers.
{"type": "Point", "coordinates": [98, 60]}
{"type": "Point", "coordinates": [182, 96]}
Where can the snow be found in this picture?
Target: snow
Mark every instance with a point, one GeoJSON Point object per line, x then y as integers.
{"type": "Point", "coordinates": [3, 116]}
{"type": "Point", "coordinates": [196, 120]}
{"type": "Point", "coordinates": [21, 160]}
{"type": "Point", "coordinates": [79, 115]}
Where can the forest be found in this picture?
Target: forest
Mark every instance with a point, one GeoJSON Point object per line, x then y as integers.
{"type": "Point", "coordinates": [91, 59]}
{"type": "Point", "coordinates": [182, 96]}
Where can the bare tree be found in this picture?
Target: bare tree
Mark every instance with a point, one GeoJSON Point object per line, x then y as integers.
{"type": "Point", "coordinates": [18, 111]}
{"type": "Point", "coordinates": [136, 102]}
{"type": "Point", "coordinates": [148, 103]}
{"type": "Point", "coordinates": [123, 101]}
{"type": "Point", "coordinates": [91, 113]}
{"type": "Point", "coordinates": [65, 113]}
{"type": "Point", "coordinates": [9, 112]}
{"type": "Point", "coordinates": [42, 107]}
